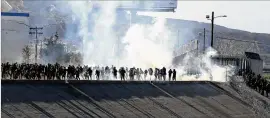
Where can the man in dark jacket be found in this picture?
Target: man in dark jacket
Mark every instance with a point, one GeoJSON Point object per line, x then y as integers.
{"type": "Point", "coordinates": [97, 74]}
{"type": "Point", "coordinates": [164, 73]}
{"type": "Point", "coordinates": [174, 75]}
{"type": "Point", "coordinates": [122, 73]}
{"type": "Point", "coordinates": [170, 74]}
{"type": "Point", "coordinates": [115, 72]}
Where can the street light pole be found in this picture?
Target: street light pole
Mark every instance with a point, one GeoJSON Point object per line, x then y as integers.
{"type": "Point", "coordinates": [212, 29]}
{"type": "Point", "coordinates": [130, 18]}
{"type": "Point", "coordinates": [212, 26]}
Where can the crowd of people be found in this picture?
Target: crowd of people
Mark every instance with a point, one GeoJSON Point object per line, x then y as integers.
{"type": "Point", "coordinates": [60, 72]}
{"type": "Point", "coordinates": [257, 83]}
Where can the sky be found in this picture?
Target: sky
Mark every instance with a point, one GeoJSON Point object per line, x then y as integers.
{"type": "Point", "coordinates": [252, 16]}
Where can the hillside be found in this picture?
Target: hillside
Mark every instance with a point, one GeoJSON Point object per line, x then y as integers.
{"type": "Point", "coordinates": [189, 30]}
{"type": "Point", "coordinates": [195, 28]}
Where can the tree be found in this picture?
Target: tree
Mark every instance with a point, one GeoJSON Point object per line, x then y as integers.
{"type": "Point", "coordinates": [54, 51]}
{"type": "Point", "coordinates": [26, 53]}
{"type": "Point", "coordinates": [77, 58]}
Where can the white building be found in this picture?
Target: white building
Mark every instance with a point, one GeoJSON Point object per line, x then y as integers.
{"type": "Point", "coordinates": [14, 35]}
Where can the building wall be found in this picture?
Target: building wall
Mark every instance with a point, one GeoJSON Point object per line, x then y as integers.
{"type": "Point", "coordinates": [256, 66]}
{"type": "Point", "coordinates": [192, 46]}
{"type": "Point", "coordinates": [231, 47]}
{"type": "Point", "coordinates": [266, 60]}
{"type": "Point", "coordinates": [15, 35]}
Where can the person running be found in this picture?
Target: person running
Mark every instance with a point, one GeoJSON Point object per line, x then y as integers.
{"type": "Point", "coordinates": [174, 75]}
{"type": "Point", "coordinates": [156, 73]}
{"type": "Point", "coordinates": [131, 74]}
{"type": "Point", "coordinates": [102, 72]}
{"type": "Point", "coordinates": [138, 73]}
{"type": "Point", "coordinates": [141, 73]}
{"type": "Point", "coordinates": [145, 74]}
{"type": "Point", "coordinates": [164, 73]}
{"type": "Point", "coordinates": [115, 72]}
{"type": "Point", "coordinates": [127, 73]}
{"type": "Point", "coordinates": [90, 72]}
{"type": "Point", "coordinates": [122, 73]}
{"type": "Point", "coordinates": [150, 70]}
{"type": "Point", "coordinates": [97, 73]}
{"type": "Point", "coordinates": [170, 74]}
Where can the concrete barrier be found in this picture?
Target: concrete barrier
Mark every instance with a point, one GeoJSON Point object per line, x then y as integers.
{"type": "Point", "coordinates": [54, 98]}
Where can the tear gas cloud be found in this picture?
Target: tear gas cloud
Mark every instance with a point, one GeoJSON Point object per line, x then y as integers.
{"type": "Point", "coordinates": [207, 69]}
{"type": "Point", "coordinates": [141, 46]}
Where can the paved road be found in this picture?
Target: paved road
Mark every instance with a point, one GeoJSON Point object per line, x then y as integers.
{"type": "Point", "coordinates": [119, 99]}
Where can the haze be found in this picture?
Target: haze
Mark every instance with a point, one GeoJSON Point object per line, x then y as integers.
{"type": "Point", "coordinates": [252, 16]}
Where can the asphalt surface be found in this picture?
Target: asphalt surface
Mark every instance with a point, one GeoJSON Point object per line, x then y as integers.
{"type": "Point", "coordinates": [41, 99]}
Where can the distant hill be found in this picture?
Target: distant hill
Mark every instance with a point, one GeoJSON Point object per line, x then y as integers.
{"type": "Point", "coordinates": [195, 28]}
{"type": "Point", "coordinates": [239, 40]}
{"type": "Point", "coordinates": [236, 41]}
{"type": "Point", "coordinates": [185, 30]}
{"type": "Point", "coordinates": [188, 30]}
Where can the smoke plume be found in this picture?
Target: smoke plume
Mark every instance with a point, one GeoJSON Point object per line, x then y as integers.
{"type": "Point", "coordinates": [148, 46]}
{"type": "Point", "coordinates": [205, 68]}
{"type": "Point", "coordinates": [143, 46]}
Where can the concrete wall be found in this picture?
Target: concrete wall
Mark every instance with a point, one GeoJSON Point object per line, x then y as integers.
{"type": "Point", "coordinates": [120, 99]}
{"type": "Point", "coordinates": [15, 35]}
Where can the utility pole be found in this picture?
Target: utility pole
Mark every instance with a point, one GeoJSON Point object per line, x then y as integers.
{"type": "Point", "coordinates": [36, 38]}
{"type": "Point", "coordinates": [40, 51]}
{"type": "Point", "coordinates": [197, 43]}
{"type": "Point", "coordinates": [203, 40]}
{"type": "Point", "coordinates": [130, 18]}
{"type": "Point", "coordinates": [212, 25]}
{"type": "Point", "coordinates": [178, 39]}
{"type": "Point", "coordinates": [118, 50]}
{"type": "Point", "coordinates": [212, 29]}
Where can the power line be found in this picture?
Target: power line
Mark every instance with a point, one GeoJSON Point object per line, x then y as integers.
{"type": "Point", "coordinates": [47, 25]}
{"type": "Point", "coordinates": [36, 32]}
{"type": "Point", "coordinates": [15, 30]}
{"type": "Point", "coordinates": [17, 22]}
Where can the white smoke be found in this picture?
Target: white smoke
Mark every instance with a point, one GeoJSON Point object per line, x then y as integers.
{"type": "Point", "coordinates": [144, 45]}
{"type": "Point", "coordinates": [97, 49]}
{"type": "Point", "coordinates": [104, 46]}
{"type": "Point", "coordinates": [208, 70]}
{"type": "Point", "coordinates": [148, 46]}
{"type": "Point", "coordinates": [81, 10]}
